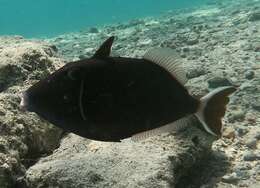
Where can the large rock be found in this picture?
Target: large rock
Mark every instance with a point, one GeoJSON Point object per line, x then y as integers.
{"type": "Point", "coordinates": [23, 136]}
{"type": "Point", "coordinates": [22, 60]}
{"type": "Point", "coordinates": [159, 161]}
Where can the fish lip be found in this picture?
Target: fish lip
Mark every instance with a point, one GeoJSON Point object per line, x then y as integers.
{"type": "Point", "coordinates": [24, 101]}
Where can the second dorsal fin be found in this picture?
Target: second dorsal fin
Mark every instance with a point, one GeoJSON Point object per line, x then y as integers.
{"type": "Point", "coordinates": [105, 49]}
{"type": "Point", "coordinates": [168, 59]}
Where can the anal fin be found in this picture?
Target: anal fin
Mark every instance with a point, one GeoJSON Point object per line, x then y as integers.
{"type": "Point", "coordinates": [175, 126]}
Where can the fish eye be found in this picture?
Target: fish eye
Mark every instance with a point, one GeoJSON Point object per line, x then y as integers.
{"type": "Point", "coordinates": [73, 74]}
{"type": "Point", "coordinates": [65, 97]}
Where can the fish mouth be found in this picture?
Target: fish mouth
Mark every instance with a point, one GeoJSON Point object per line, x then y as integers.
{"type": "Point", "coordinates": [24, 105]}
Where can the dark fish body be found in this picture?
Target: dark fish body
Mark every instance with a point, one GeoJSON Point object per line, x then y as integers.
{"type": "Point", "coordinates": [110, 98]}
{"type": "Point", "coordinates": [120, 97]}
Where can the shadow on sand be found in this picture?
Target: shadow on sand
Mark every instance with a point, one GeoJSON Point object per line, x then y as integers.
{"type": "Point", "coordinates": [210, 171]}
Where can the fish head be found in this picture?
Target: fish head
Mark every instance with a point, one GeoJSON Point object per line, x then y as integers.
{"type": "Point", "coordinates": [60, 91]}
{"type": "Point", "coordinates": [57, 97]}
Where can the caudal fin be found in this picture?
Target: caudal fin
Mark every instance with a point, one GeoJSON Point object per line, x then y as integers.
{"type": "Point", "coordinates": [212, 109]}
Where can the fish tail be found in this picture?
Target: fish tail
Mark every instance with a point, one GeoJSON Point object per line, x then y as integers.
{"type": "Point", "coordinates": [212, 108]}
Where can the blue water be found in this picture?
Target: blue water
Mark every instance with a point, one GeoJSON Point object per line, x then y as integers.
{"type": "Point", "coordinates": [45, 18]}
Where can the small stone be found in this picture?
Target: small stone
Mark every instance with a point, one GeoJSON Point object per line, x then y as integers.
{"type": "Point", "coordinates": [256, 106]}
{"type": "Point", "coordinates": [93, 30]}
{"type": "Point", "coordinates": [246, 57]}
{"type": "Point", "coordinates": [82, 57]}
{"type": "Point", "coordinates": [192, 41]}
{"type": "Point", "coordinates": [183, 55]}
{"type": "Point", "coordinates": [251, 143]}
{"type": "Point", "coordinates": [248, 87]}
{"type": "Point", "coordinates": [136, 22]}
{"type": "Point", "coordinates": [230, 178]}
{"type": "Point", "coordinates": [242, 174]}
{"type": "Point", "coordinates": [229, 133]}
{"type": "Point", "coordinates": [241, 130]}
{"type": "Point", "coordinates": [5, 165]}
{"type": "Point", "coordinates": [218, 82]}
{"type": "Point", "coordinates": [254, 16]}
{"type": "Point", "coordinates": [249, 74]}
{"type": "Point", "coordinates": [250, 156]}
{"type": "Point", "coordinates": [256, 47]}
{"type": "Point", "coordinates": [243, 184]}
{"type": "Point", "coordinates": [237, 115]}
{"type": "Point", "coordinates": [54, 48]}
{"type": "Point", "coordinates": [21, 182]}
{"type": "Point", "coordinates": [88, 50]}
{"type": "Point", "coordinates": [17, 37]}
{"type": "Point", "coordinates": [194, 73]}
{"type": "Point", "coordinates": [255, 185]}
{"type": "Point", "coordinates": [257, 135]}
{"type": "Point", "coordinates": [245, 166]}
{"type": "Point", "coordinates": [257, 169]}
{"type": "Point", "coordinates": [145, 42]}
{"type": "Point", "coordinates": [185, 50]}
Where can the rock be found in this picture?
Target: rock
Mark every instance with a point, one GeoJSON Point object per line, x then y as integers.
{"type": "Point", "coordinates": [156, 162]}
{"type": "Point", "coordinates": [9, 167]}
{"type": "Point", "coordinates": [89, 51]}
{"type": "Point", "coordinates": [255, 185]}
{"type": "Point", "coordinates": [237, 115]}
{"type": "Point", "coordinates": [20, 61]}
{"type": "Point", "coordinates": [196, 72]}
{"type": "Point", "coordinates": [93, 30]}
{"type": "Point", "coordinates": [136, 22]}
{"type": "Point", "coordinates": [6, 75]}
{"type": "Point", "coordinates": [229, 133]}
{"type": "Point", "coordinates": [241, 130]}
{"type": "Point", "coordinates": [249, 75]}
{"type": "Point", "coordinates": [192, 41]}
{"type": "Point", "coordinates": [250, 156]}
{"type": "Point", "coordinates": [243, 183]}
{"type": "Point", "coordinates": [256, 105]}
{"type": "Point", "coordinates": [82, 57]}
{"type": "Point", "coordinates": [185, 50]}
{"type": "Point", "coordinates": [254, 16]}
{"type": "Point", "coordinates": [256, 47]}
{"type": "Point", "coordinates": [218, 82]}
{"type": "Point", "coordinates": [23, 136]}
{"type": "Point", "coordinates": [230, 178]}
{"type": "Point", "coordinates": [251, 143]}
{"type": "Point", "coordinates": [145, 42]}
{"type": "Point", "coordinates": [257, 135]}
{"type": "Point", "coordinates": [245, 166]}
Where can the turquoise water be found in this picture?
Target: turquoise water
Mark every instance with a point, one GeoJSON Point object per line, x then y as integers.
{"type": "Point", "coordinates": [45, 18]}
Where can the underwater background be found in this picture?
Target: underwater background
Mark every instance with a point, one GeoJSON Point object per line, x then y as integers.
{"type": "Point", "coordinates": [44, 18]}
{"type": "Point", "coordinates": [216, 41]}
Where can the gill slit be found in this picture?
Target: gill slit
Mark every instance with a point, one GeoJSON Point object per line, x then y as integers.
{"type": "Point", "coordinates": [80, 100]}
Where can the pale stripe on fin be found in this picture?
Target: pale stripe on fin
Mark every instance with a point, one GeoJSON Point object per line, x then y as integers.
{"type": "Point", "coordinates": [175, 126]}
{"type": "Point", "coordinates": [169, 60]}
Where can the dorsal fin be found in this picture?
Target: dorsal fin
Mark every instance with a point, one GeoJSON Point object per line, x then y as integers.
{"type": "Point", "coordinates": [168, 59]}
{"type": "Point", "coordinates": [105, 49]}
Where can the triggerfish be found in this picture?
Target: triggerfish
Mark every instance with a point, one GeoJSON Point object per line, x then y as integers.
{"type": "Point", "coordinates": [112, 98]}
